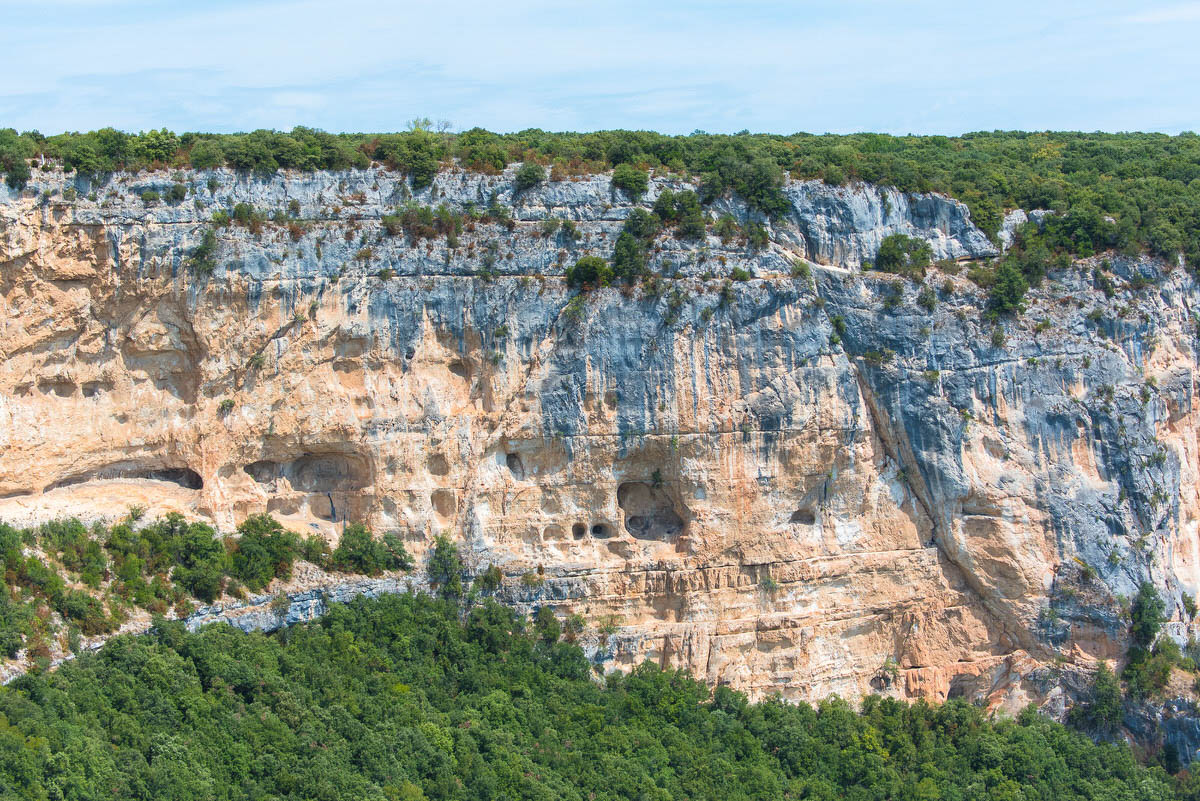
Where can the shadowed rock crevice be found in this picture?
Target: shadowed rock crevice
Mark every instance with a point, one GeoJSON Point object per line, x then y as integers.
{"type": "Point", "coordinates": [315, 472]}
{"type": "Point", "coordinates": [649, 513]}
{"type": "Point", "coordinates": [183, 476]}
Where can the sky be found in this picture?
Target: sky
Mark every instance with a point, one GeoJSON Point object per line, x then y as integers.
{"type": "Point", "coordinates": [927, 66]}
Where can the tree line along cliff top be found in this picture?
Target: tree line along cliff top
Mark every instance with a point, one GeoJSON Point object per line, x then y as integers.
{"type": "Point", "coordinates": [1136, 192]}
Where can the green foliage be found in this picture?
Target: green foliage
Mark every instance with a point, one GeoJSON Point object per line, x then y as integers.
{"type": "Point", "coordinates": [203, 259]}
{"type": "Point", "coordinates": [158, 566]}
{"type": "Point", "coordinates": [927, 298]}
{"type": "Point", "coordinates": [1125, 191]}
{"type": "Point", "coordinates": [15, 152]}
{"type": "Point", "coordinates": [631, 180]}
{"type": "Point", "coordinates": [1147, 615]}
{"type": "Point", "coordinates": [399, 698]}
{"type": "Point", "coordinates": [529, 175]}
{"type": "Point", "coordinates": [1008, 289]}
{"type": "Point", "coordinates": [489, 580]}
{"type": "Point", "coordinates": [629, 257]}
{"type": "Point", "coordinates": [1103, 710]}
{"type": "Point", "coordinates": [422, 222]}
{"type": "Point", "coordinates": [1149, 665]}
{"type": "Point", "coordinates": [416, 153]}
{"type": "Point", "coordinates": [727, 228]}
{"type": "Point", "coordinates": [903, 255]}
{"type": "Point", "coordinates": [681, 209]}
{"type": "Point", "coordinates": [589, 271]}
{"type": "Point", "coordinates": [757, 236]}
{"type": "Point", "coordinates": [359, 552]}
{"type": "Point", "coordinates": [264, 551]}
{"type": "Point", "coordinates": [445, 569]}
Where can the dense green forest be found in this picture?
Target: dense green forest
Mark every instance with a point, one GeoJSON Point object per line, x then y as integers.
{"type": "Point", "coordinates": [1128, 191]}
{"type": "Point", "coordinates": [410, 697]}
{"type": "Point", "coordinates": [93, 577]}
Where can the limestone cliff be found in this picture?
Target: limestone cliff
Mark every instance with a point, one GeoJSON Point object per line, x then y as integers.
{"type": "Point", "coordinates": [783, 484]}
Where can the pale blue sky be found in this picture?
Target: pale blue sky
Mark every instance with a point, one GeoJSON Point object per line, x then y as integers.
{"type": "Point", "coordinates": [929, 66]}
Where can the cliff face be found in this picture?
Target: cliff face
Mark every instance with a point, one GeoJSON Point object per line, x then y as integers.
{"type": "Point", "coordinates": [784, 485]}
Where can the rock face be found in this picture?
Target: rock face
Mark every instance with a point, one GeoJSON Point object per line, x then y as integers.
{"type": "Point", "coordinates": [792, 485]}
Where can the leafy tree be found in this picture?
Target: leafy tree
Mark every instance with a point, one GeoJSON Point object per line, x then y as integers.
{"type": "Point", "coordinates": [445, 569]}
{"type": "Point", "coordinates": [904, 255]}
{"type": "Point", "coordinates": [589, 271]}
{"type": "Point", "coordinates": [631, 180]}
{"type": "Point", "coordinates": [1008, 290]}
{"type": "Point", "coordinates": [1147, 614]}
{"type": "Point", "coordinates": [203, 259]}
{"type": "Point", "coordinates": [529, 175]}
{"type": "Point", "coordinates": [629, 257]}
{"type": "Point", "coordinates": [265, 550]}
{"type": "Point", "coordinates": [359, 552]}
{"type": "Point", "coordinates": [1104, 709]}
{"type": "Point", "coordinates": [206, 154]}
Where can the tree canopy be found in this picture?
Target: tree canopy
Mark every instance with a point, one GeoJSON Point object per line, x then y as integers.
{"type": "Point", "coordinates": [411, 697]}
{"type": "Point", "coordinates": [1131, 191]}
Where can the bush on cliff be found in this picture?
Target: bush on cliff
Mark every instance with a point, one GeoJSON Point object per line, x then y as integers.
{"type": "Point", "coordinates": [903, 255]}
{"type": "Point", "coordinates": [590, 271]}
{"type": "Point", "coordinates": [529, 175]}
{"type": "Point", "coordinates": [359, 552]}
{"type": "Point", "coordinates": [631, 180]}
{"type": "Point", "coordinates": [161, 565]}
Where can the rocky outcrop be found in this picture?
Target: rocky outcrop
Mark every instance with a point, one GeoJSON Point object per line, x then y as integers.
{"type": "Point", "coordinates": [792, 485]}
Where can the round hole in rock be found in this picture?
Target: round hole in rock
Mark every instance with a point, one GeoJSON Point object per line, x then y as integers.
{"type": "Point", "coordinates": [649, 512]}
{"type": "Point", "coordinates": [513, 461]}
{"type": "Point", "coordinates": [578, 530]}
{"type": "Point", "coordinates": [438, 465]}
{"type": "Point", "coordinates": [444, 502]}
{"type": "Point", "coordinates": [602, 531]}
{"type": "Point", "coordinates": [804, 517]}
{"type": "Point", "coordinates": [183, 476]}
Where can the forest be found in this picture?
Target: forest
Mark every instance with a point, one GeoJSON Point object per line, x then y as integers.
{"type": "Point", "coordinates": [414, 696]}
{"type": "Point", "coordinates": [93, 578]}
{"type": "Point", "coordinates": [1132, 192]}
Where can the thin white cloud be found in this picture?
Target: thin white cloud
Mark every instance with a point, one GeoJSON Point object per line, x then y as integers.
{"type": "Point", "coordinates": [1187, 12]}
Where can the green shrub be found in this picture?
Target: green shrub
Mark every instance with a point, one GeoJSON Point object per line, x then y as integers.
{"type": "Point", "coordinates": [263, 551]}
{"type": "Point", "coordinates": [1008, 290]}
{"type": "Point", "coordinates": [150, 197]}
{"type": "Point", "coordinates": [445, 569]}
{"type": "Point", "coordinates": [359, 552]}
{"type": "Point", "coordinates": [927, 299]}
{"type": "Point", "coordinates": [631, 180]}
{"type": "Point", "coordinates": [903, 255]}
{"type": "Point", "coordinates": [756, 236]}
{"type": "Point", "coordinates": [529, 175]}
{"type": "Point", "coordinates": [589, 271]}
{"type": "Point", "coordinates": [489, 580]}
{"type": "Point", "coordinates": [203, 259]}
{"type": "Point", "coordinates": [1103, 710]}
{"type": "Point", "coordinates": [1147, 615]}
